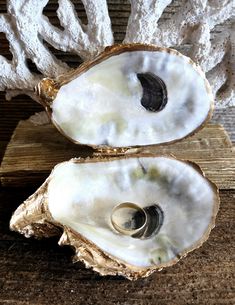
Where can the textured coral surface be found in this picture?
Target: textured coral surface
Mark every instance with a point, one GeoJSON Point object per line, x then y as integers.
{"type": "Point", "coordinates": [194, 29]}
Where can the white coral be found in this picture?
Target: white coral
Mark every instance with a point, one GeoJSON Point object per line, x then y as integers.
{"type": "Point", "coordinates": [192, 24]}
{"type": "Point", "coordinates": [26, 27]}
{"type": "Point", "coordinates": [190, 30]}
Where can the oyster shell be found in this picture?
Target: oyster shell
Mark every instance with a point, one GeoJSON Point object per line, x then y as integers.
{"type": "Point", "coordinates": [130, 95]}
{"type": "Point", "coordinates": [128, 216]}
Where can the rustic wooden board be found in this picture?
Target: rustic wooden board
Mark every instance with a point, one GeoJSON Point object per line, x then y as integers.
{"type": "Point", "coordinates": [40, 273]}
{"type": "Point", "coordinates": [34, 272]}
{"type": "Point", "coordinates": [35, 149]}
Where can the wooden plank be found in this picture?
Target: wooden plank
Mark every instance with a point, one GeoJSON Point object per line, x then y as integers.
{"type": "Point", "coordinates": [34, 272]}
{"type": "Point", "coordinates": [35, 149]}
{"type": "Point", "coordinates": [39, 272]}
{"type": "Point", "coordinates": [226, 117]}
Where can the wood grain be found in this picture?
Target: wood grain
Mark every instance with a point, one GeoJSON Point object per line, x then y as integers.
{"type": "Point", "coordinates": [41, 273]}
{"type": "Point", "coordinates": [35, 149]}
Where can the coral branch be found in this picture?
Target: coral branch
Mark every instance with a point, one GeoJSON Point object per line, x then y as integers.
{"type": "Point", "coordinates": [27, 16]}
{"type": "Point", "coordinates": [219, 46]}
{"type": "Point", "coordinates": [225, 71]}
{"type": "Point", "coordinates": [14, 74]}
{"type": "Point", "coordinates": [219, 12]}
{"type": "Point", "coordinates": [27, 28]}
{"type": "Point", "coordinates": [86, 41]}
{"type": "Point", "coordinates": [143, 20]}
{"type": "Point", "coordinates": [99, 25]}
{"type": "Point", "coordinates": [217, 77]}
{"type": "Point", "coordinates": [189, 29]}
{"type": "Point", "coordinates": [191, 24]}
{"type": "Point", "coordinates": [200, 51]}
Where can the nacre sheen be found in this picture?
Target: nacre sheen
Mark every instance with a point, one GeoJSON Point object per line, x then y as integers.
{"type": "Point", "coordinates": [82, 196]}
{"type": "Point", "coordinates": [102, 106]}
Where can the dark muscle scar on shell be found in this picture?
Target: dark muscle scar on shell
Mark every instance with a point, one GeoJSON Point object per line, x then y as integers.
{"type": "Point", "coordinates": [154, 92]}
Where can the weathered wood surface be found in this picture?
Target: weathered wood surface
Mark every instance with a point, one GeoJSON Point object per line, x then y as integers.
{"type": "Point", "coordinates": [40, 273]}
{"type": "Point", "coordinates": [35, 149]}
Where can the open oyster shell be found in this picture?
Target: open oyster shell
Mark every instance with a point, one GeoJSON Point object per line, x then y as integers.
{"type": "Point", "coordinates": [130, 95]}
{"type": "Point", "coordinates": [128, 216]}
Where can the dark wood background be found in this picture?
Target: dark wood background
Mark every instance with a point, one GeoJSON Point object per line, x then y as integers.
{"type": "Point", "coordinates": [41, 272]}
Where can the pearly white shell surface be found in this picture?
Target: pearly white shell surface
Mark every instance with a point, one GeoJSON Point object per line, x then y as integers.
{"type": "Point", "coordinates": [82, 197]}
{"type": "Point", "coordinates": [102, 106]}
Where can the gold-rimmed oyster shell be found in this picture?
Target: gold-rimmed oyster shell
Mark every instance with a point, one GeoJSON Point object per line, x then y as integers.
{"type": "Point", "coordinates": [130, 95]}
{"type": "Point", "coordinates": [80, 197]}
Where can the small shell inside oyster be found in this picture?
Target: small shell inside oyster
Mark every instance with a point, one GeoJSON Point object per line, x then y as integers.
{"type": "Point", "coordinates": [131, 98]}
{"type": "Point", "coordinates": [145, 212]}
